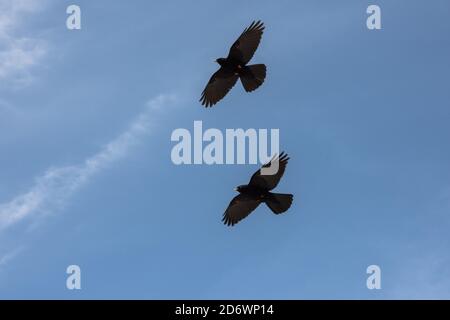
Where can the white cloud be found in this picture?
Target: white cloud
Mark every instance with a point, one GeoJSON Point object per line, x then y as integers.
{"type": "Point", "coordinates": [5, 258]}
{"type": "Point", "coordinates": [56, 185]}
{"type": "Point", "coordinates": [17, 52]}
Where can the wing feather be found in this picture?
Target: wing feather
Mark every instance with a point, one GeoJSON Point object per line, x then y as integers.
{"type": "Point", "coordinates": [218, 86]}
{"type": "Point", "coordinates": [239, 208]}
{"type": "Point", "coordinates": [245, 46]}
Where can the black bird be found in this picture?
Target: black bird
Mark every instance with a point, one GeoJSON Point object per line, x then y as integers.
{"type": "Point", "coordinates": [235, 66]}
{"type": "Point", "coordinates": [258, 191]}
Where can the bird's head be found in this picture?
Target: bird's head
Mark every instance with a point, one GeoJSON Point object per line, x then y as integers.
{"type": "Point", "coordinates": [221, 61]}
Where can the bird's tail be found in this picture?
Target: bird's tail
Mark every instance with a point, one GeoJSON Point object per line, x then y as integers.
{"type": "Point", "coordinates": [253, 76]}
{"type": "Point", "coordinates": [279, 202]}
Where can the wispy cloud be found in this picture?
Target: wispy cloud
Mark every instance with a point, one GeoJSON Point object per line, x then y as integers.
{"type": "Point", "coordinates": [18, 53]}
{"type": "Point", "coordinates": [57, 184]}
{"type": "Point", "coordinates": [5, 258]}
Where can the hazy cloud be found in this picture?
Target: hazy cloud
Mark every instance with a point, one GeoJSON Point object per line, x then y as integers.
{"type": "Point", "coordinates": [57, 184]}
{"type": "Point", "coordinates": [18, 53]}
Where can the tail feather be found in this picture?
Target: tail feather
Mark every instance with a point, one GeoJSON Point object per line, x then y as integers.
{"type": "Point", "coordinates": [253, 76]}
{"type": "Point", "coordinates": [279, 202]}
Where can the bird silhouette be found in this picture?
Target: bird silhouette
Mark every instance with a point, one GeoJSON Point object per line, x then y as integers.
{"type": "Point", "coordinates": [257, 191]}
{"type": "Point", "coordinates": [235, 66]}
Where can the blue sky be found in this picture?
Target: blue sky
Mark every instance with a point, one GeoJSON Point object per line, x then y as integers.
{"type": "Point", "coordinates": [86, 176]}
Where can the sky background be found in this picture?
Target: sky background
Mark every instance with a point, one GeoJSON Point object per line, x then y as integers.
{"type": "Point", "coordinates": [86, 176]}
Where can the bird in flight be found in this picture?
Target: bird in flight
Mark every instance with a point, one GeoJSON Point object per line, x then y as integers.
{"type": "Point", "coordinates": [257, 191]}
{"type": "Point", "coordinates": [235, 66]}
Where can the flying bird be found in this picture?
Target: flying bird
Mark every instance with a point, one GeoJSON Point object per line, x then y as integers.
{"type": "Point", "coordinates": [257, 191]}
{"type": "Point", "coordinates": [235, 66]}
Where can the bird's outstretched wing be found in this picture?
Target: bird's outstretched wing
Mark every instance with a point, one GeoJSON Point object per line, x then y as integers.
{"type": "Point", "coordinates": [245, 46]}
{"type": "Point", "coordinates": [240, 207]}
{"type": "Point", "coordinates": [267, 181]}
{"type": "Point", "coordinates": [218, 86]}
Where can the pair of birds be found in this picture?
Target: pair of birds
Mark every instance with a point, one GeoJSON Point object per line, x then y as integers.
{"type": "Point", "coordinates": [232, 68]}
